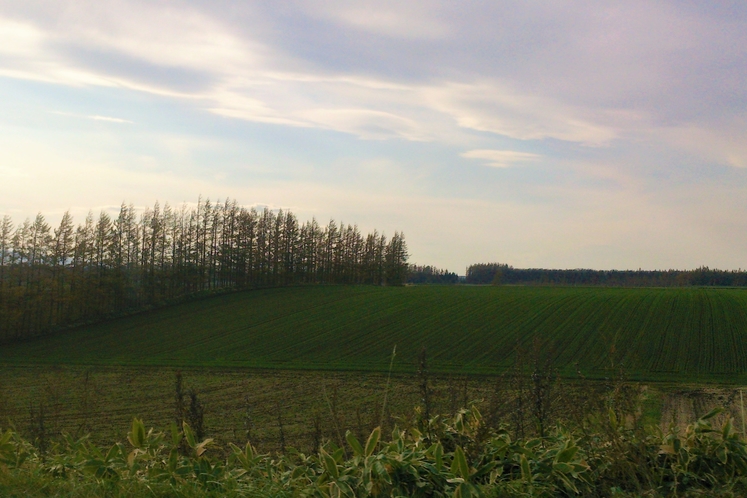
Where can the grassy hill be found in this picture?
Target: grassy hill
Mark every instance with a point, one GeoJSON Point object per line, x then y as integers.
{"type": "Point", "coordinates": [664, 334]}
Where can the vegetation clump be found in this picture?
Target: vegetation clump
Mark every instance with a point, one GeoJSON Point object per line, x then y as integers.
{"type": "Point", "coordinates": [451, 456]}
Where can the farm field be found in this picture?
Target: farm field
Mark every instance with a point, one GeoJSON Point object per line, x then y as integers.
{"type": "Point", "coordinates": [238, 404]}
{"type": "Point", "coordinates": [693, 335]}
{"type": "Point", "coordinates": [248, 404]}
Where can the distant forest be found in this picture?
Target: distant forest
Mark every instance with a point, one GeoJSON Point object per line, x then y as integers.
{"type": "Point", "coordinates": [52, 278]}
{"type": "Point", "coordinates": [498, 274]}
{"type": "Point", "coordinates": [431, 275]}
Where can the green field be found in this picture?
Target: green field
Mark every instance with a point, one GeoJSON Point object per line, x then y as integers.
{"type": "Point", "coordinates": [654, 334]}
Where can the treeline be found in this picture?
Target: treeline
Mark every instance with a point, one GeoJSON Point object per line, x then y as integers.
{"type": "Point", "coordinates": [498, 274]}
{"type": "Point", "coordinates": [51, 278]}
{"type": "Point", "coordinates": [431, 275]}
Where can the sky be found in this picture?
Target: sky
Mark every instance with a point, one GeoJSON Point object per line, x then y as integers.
{"type": "Point", "coordinates": [555, 134]}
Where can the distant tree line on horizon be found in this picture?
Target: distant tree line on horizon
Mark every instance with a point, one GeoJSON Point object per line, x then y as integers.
{"type": "Point", "coordinates": [431, 275]}
{"type": "Point", "coordinates": [503, 274]}
{"type": "Point", "coordinates": [52, 278]}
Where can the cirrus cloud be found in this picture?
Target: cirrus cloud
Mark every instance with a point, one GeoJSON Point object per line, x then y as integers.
{"type": "Point", "coordinates": [501, 158]}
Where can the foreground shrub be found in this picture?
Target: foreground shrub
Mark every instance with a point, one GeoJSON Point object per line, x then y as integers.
{"type": "Point", "coordinates": [453, 456]}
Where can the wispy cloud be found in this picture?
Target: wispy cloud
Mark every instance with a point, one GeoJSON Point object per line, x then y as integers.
{"type": "Point", "coordinates": [246, 84]}
{"type": "Point", "coordinates": [385, 18]}
{"type": "Point", "coordinates": [494, 108]}
{"type": "Point", "coordinates": [501, 158]}
{"type": "Point", "coordinates": [110, 119]}
{"type": "Point", "coordinates": [19, 38]}
{"type": "Point", "coordinates": [94, 117]}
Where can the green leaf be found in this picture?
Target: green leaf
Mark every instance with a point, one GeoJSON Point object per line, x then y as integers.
{"type": "Point", "coordinates": [329, 464]}
{"type": "Point", "coordinates": [458, 492]}
{"type": "Point", "coordinates": [373, 440]}
{"type": "Point", "coordinates": [249, 451]}
{"type": "Point", "coordinates": [712, 413]}
{"type": "Point", "coordinates": [112, 453]}
{"type": "Point", "coordinates": [176, 436]}
{"type": "Point", "coordinates": [526, 472]}
{"type": "Point", "coordinates": [466, 490]}
{"type": "Point", "coordinates": [613, 418]}
{"type": "Point", "coordinates": [136, 437]}
{"type": "Point", "coordinates": [334, 490]}
{"type": "Point", "coordinates": [566, 455]}
{"type": "Point", "coordinates": [722, 455]}
{"type": "Point", "coordinates": [484, 470]}
{"type": "Point", "coordinates": [382, 472]}
{"type": "Point", "coordinates": [459, 466]}
{"type": "Point", "coordinates": [173, 460]}
{"type": "Point", "coordinates": [727, 429]}
{"type": "Point", "coordinates": [189, 435]}
{"type": "Point", "coordinates": [354, 444]}
{"type": "Point", "coordinates": [568, 484]}
{"type": "Point", "coordinates": [438, 453]}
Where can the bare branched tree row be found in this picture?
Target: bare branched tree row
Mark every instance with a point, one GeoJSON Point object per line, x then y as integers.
{"type": "Point", "coordinates": [53, 278]}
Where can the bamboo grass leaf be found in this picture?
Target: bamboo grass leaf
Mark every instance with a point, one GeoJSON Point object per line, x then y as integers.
{"type": "Point", "coordinates": [373, 440]}
{"type": "Point", "coordinates": [354, 444]}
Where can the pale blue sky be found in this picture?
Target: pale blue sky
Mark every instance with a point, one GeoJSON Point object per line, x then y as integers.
{"type": "Point", "coordinates": [538, 134]}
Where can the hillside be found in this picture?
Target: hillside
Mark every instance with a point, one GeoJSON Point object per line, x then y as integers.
{"type": "Point", "coordinates": [665, 334]}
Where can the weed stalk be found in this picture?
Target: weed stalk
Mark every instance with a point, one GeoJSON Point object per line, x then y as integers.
{"type": "Point", "coordinates": [386, 390]}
